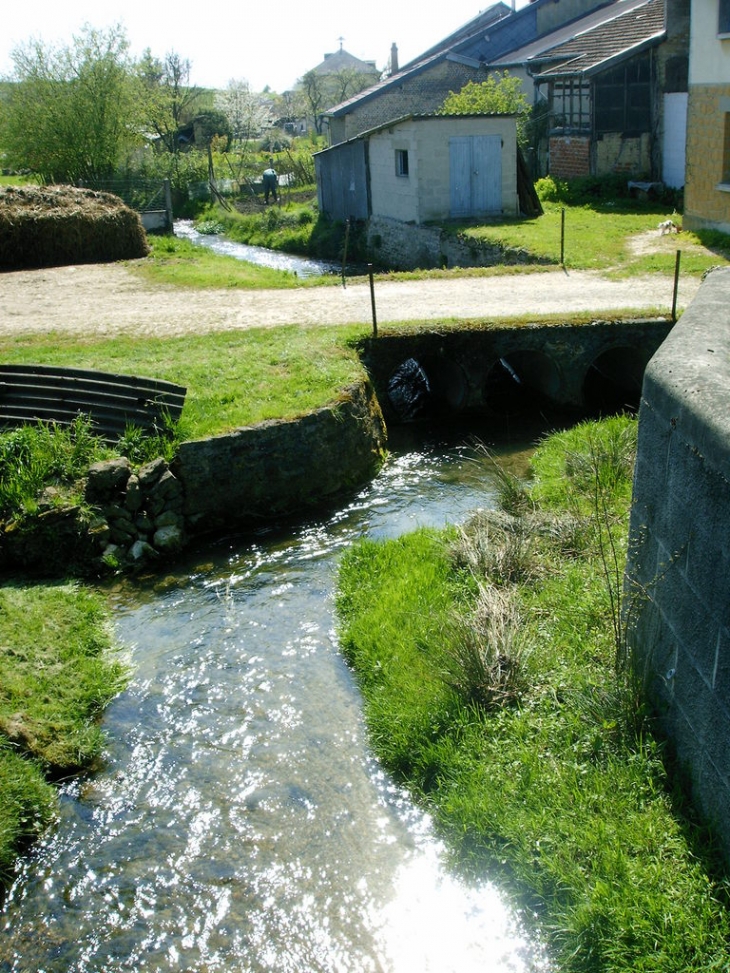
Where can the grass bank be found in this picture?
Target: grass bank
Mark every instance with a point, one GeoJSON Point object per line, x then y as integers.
{"type": "Point", "coordinates": [496, 689]}
{"type": "Point", "coordinates": [609, 233]}
{"type": "Point", "coordinates": [233, 378]}
{"type": "Point", "coordinates": [58, 671]}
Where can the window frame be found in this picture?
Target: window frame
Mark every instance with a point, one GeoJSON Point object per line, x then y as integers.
{"type": "Point", "coordinates": [402, 169]}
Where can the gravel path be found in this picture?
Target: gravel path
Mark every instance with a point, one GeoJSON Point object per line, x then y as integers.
{"type": "Point", "coordinates": [111, 299]}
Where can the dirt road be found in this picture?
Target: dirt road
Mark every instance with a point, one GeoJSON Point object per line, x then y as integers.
{"type": "Point", "coordinates": [111, 299]}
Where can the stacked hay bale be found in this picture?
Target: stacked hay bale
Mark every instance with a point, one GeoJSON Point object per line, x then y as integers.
{"type": "Point", "coordinates": [50, 226]}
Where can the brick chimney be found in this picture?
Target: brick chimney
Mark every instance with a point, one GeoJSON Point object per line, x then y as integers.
{"type": "Point", "coordinates": [394, 58]}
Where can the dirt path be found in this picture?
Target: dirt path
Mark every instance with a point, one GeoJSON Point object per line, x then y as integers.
{"type": "Point", "coordinates": [111, 299]}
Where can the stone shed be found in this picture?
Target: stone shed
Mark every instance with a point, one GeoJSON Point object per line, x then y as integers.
{"type": "Point", "coordinates": [423, 168]}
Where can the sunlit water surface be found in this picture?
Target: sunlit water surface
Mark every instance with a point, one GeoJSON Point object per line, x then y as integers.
{"type": "Point", "coordinates": [239, 823]}
{"type": "Point", "coordinates": [275, 259]}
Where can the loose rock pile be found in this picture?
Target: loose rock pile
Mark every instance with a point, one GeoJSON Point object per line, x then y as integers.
{"type": "Point", "coordinates": [140, 513]}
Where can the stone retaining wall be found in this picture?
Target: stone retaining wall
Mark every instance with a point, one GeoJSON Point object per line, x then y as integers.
{"type": "Point", "coordinates": [232, 482]}
{"type": "Point", "coordinates": [678, 575]}
{"type": "Point", "coordinates": [406, 246]}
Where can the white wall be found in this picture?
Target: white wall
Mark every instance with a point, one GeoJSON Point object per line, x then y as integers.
{"type": "Point", "coordinates": [709, 60]}
{"type": "Point", "coordinates": [425, 193]}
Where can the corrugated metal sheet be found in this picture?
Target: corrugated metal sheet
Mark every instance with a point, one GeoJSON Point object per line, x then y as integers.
{"type": "Point", "coordinates": [342, 182]}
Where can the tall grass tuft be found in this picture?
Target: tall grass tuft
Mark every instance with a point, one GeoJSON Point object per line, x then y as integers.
{"type": "Point", "coordinates": [33, 457]}
{"type": "Point", "coordinates": [483, 659]}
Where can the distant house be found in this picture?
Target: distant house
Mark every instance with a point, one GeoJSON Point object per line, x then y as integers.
{"type": "Point", "coordinates": [614, 88]}
{"type": "Point", "coordinates": [418, 169]}
{"type": "Point", "coordinates": [707, 191]}
{"type": "Point", "coordinates": [338, 77]}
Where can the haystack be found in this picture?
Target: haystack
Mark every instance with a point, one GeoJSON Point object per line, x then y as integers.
{"type": "Point", "coordinates": [50, 226]}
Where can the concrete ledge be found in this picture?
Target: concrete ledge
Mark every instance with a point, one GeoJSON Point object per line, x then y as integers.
{"type": "Point", "coordinates": [678, 573]}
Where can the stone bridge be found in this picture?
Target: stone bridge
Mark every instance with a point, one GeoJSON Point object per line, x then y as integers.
{"type": "Point", "coordinates": [505, 370]}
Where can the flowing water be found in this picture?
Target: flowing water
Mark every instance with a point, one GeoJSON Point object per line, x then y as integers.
{"type": "Point", "coordinates": [301, 266]}
{"type": "Point", "coordinates": [239, 822]}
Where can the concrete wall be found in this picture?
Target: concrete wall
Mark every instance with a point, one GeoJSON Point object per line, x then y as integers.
{"type": "Point", "coordinates": [425, 194]}
{"type": "Point", "coordinates": [678, 576]}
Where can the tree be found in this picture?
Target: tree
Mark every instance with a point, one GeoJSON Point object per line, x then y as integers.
{"type": "Point", "coordinates": [168, 98]}
{"type": "Point", "coordinates": [70, 114]}
{"type": "Point", "coordinates": [500, 94]}
{"type": "Point", "coordinates": [247, 114]}
{"type": "Point", "coordinates": [313, 89]}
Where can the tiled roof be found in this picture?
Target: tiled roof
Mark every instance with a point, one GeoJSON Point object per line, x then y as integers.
{"type": "Point", "coordinates": [609, 35]}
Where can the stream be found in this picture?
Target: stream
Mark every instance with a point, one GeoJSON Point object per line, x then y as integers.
{"type": "Point", "coordinates": [239, 822]}
{"type": "Point", "coordinates": [277, 260]}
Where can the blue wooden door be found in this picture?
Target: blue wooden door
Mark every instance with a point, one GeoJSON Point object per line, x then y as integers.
{"type": "Point", "coordinates": [475, 175]}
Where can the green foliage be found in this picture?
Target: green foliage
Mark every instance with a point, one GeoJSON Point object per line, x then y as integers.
{"type": "Point", "coordinates": [566, 796]}
{"type": "Point", "coordinates": [27, 807]}
{"type": "Point", "coordinates": [70, 115]}
{"type": "Point", "coordinates": [40, 455]}
{"type": "Point", "coordinates": [500, 94]}
{"type": "Point", "coordinates": [57, 672]}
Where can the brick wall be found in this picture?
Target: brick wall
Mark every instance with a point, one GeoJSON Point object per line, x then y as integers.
{"type": "Point", "coordinates": [570, 156]}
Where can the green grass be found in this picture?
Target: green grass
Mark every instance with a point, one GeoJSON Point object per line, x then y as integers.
{"type": "Point", "coordinates": [565, 796]}
{"type": "Point", "coordinates": [234, 378]}
{"type": "Point", "coordinates": [599, 237]}
{"type": "Point", "coordinates": [57, 673]}
{"type": "Point", "coordinates": [617, 239]}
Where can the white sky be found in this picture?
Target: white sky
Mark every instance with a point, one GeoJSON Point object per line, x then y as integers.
{"type": "Point", "coordinates": [271, 43]}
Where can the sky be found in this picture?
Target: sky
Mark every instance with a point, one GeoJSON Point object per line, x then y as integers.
{"type": "Point", "coordinates": [270, 44]}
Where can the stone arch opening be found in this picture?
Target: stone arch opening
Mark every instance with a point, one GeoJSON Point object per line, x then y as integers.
{"type": "Point", "coordinates": [519, 380]}
{"type": "Point", "coordinates": [427, 387]}
{"type": "Point", "coordinates": [613, 380]}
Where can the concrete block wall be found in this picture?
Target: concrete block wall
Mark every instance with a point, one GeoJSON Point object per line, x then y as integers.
{"type": "Point", "coordinates": [707, 192]}
{"type": "Point", "coordinates": [678, 573]}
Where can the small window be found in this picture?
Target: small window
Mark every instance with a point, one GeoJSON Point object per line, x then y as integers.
{"type": "Point", "coordinates": [401, 162]}
{"type": "Point", "coordinates": [723, 24]}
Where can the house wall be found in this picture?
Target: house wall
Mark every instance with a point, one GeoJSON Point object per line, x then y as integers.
{"type": "Point", "coordinates": [707, 189]}
{"type": "Point", "coordinates": [616, 154]}
{"type": "Point", "coordinates": [425, 193]}
{"type": "Point", "coordinates": [422, 93]}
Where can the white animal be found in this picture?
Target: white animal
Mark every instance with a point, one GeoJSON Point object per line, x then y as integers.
{"type": "Point", "coordinates": [668, 226]}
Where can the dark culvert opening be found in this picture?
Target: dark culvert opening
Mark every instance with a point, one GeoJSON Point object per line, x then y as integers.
{"type": "Point", "coordinates": [613, 381]}
{"type": "Point", "coordinates": [431, 388]}
{"type": "Point", "coordinates": [520, 382]}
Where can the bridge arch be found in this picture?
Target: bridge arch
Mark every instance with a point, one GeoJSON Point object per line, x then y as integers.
{"type": "Point", "coordinates": [428, 385]}
{"type": "Point", "coordinates": [613, 379]}
{"type": "Point", "coordinates": [519, 378]}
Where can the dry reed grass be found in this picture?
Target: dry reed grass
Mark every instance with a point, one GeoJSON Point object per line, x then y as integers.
{"type": "Point", "coordinates": [52, 226]}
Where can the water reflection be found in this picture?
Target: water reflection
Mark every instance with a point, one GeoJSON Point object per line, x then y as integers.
{"type": "Point", "coordinates": [240, 823]}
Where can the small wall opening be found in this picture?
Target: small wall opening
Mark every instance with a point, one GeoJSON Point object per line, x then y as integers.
{"type": "Point", "coordinates": [613, 381]}
{"type": "Point", "coordinates": [516, 382]}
